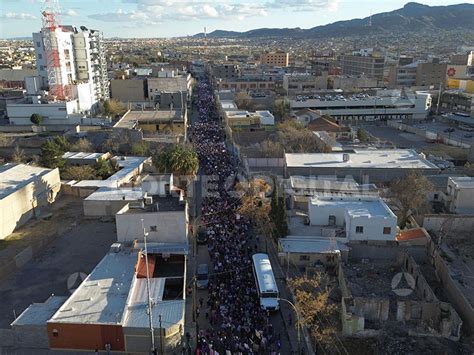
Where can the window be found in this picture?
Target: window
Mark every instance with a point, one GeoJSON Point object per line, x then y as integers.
{"type": "Point", "coordinates": [359, 229]}
{"type": "Point", "coordinates": [387, 230]}
{"type": "Point", "coordinates": [304, 258]}
{"type": "Point", "coordinates": [55, 333]}
{"type": "Point", "coordinates": [40, 56]}
{"type": "Point", "coordinates": [153, 228]}
{"type": "Point", "coordinates": [38, 44]}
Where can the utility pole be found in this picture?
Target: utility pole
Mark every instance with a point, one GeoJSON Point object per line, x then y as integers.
{"type": "Point", "coordinates": [439, 98]}
{"type": "Point", "coordinates": [150, 311]}
{"type": "Point", "coordinates": [161, 337]}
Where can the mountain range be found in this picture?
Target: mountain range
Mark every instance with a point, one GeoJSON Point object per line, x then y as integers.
{"type": "Point", "coordinates": [411, 18]}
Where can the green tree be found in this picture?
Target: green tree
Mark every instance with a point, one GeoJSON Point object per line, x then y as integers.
{"type": "Point", "coordinates": [140, 148]}
{"type": "Point", "coordinates": [281, 109]}
{"type": "Point", "coordinates": [52, 155]}
{"type": "Point", "coordinates": [36, 118]}
{"type": "Point", "coordinates": [469, 169]}
{"type": "Point", "coordinates": [180, 160]}
{"type": "Point", "coordinates": [62, 143]}
{"type": "Point", "coordinates": [105, 168]}
{"type": "Point", "coordinates": [362, 135]}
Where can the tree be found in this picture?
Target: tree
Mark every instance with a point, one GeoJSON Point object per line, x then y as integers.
{"type": "Point", "coordinates": [52, 155]}
{"type": "Point", "coordinates": [110, 145]}
{"type": "Point", "coordinates": [271, 149]}
{"type": "Point", "coordinates": [83, 172]}
{"type": "Point", "coordinates": [410, 195]}
{"type": "Point", "coordinates": [281, 109]}
{"type": "Point", "coordinates": [113, 108]}
{"type": "Point", "coordinates": [315, 310]}
{"type": "Point", "coordinates": [179, 160]}
{"type": "Point", "coordinates": [296, 138]}
{"type": "Point", "coordinates": [254, 205]}
{"type": "Point", "coordinates": [62, 143]}
{"type": "Point", "coordinates": [36, 118]}
{"type": "Point", "coordinates": [469, 169]}
{"type": "Point", "coordinates": [244, 101]}
{"type": "Point", "coordinates": [277, 213]}
{"type": "Point", "coordinates": [82, 145]}
{"type": "Point", "coordinates": [18, 155]}
{"type": "Point", "coordinates": [362, 135]}
{"type": "Point", "coordinates": [105, 168]}
{"type": "Point", "coordinates": [140, 148]}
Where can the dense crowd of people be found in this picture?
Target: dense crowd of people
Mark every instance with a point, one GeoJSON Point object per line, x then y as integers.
{"type": "Point", "coordinates": [238, 324]}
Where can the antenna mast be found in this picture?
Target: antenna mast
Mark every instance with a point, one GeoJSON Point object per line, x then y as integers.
{"type": "Point", "coordinates": [51, 27]}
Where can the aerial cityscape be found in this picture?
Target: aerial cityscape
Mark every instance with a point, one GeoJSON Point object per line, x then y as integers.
{"type": "Point", "coordinates": [271, 177]}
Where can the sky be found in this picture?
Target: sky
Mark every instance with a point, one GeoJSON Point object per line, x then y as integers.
{"type": "Point", "coordinates": [169, 18]}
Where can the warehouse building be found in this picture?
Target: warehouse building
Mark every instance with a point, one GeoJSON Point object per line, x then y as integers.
{"type": "Point", "coordinates": [365, 166]}
{"type": "Point", "coordinates": [24, 189]}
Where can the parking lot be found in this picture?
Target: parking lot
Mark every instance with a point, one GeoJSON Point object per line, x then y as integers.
{"type": "Point", "coordinates": [448, 130]}
{"type": "Point", "coordinates": [77, 250]}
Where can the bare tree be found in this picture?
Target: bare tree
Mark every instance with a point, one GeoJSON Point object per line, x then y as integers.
{"type": "Point", "coordinates": [244, 101]}
{"type": "Point", "coordinates": [410, 195]}
{"type": "Point", "coordinates": [83, 145]}
{"type": "Point", "coordinates": [19, 155]}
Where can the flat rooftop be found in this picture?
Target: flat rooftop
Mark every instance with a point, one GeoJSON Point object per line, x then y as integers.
{"type": "Point", "coordinates": [83, 155]}
{"type": "Point", "coordinates": [13, 177]}
{"type": "Point", "coordinates": [114, 194]}
{"type": "Point", "coordinates": [128, 165]}
{"type": "Point", "coordinates": [102, 296]}
{"type": "Point", "coordinates": [305, 244]}
{"type": "Point", "coordinates": [172, 85]}
{"type": "Point", "coordinates": [356, 206]}
{"type": "Point", "coordinates": [463, 182]}
{"type": "Point", "coordinates": [132, 118]}
{"type": "Point", "coordinates": [329, 184]}
{"type": "Point", "coordinates": [361, 159]}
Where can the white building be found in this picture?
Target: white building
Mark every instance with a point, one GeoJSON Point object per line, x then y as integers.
{"type": "Point", "coordinates": [460, 197]}
{"type": "Point", "coordinates": [362, 218]}
{"type": "Point", "coordinates": [384, 105]}
{"type": "Point", "coordinates": [82, 71]}
{"type": "Point", "coordinates": [365, 166]}
{"type": "Point", "coordinates": [24, 189]}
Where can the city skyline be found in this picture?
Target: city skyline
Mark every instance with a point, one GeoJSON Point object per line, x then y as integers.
{"type": "Point", "coordinates": [175, 18]}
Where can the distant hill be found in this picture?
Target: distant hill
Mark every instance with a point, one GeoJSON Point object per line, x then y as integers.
{"type": "Point", "coordinates": [412, 17]}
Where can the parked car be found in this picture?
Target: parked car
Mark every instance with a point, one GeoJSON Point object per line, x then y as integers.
{"type": "Point", "coordinates": [468, 135]}
{"type": "Point", "coordinates": [449, 130]}
{"type": "Point", "coordinates": [202, 276]}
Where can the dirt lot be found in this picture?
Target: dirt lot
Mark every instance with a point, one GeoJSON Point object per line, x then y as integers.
{"type": "Point", "coordinates": [80, 244]}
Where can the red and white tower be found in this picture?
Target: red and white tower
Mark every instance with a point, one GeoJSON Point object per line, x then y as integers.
{"type": "Point", "coordinates": [58, 89]}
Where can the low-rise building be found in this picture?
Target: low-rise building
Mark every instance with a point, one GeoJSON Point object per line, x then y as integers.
{"type": "Point", "coordinates": [361, 218]}
{"type": "Point", "coordinates": [24, 190]}
{"type": "Point", "coordinates": [460, 195]}
{"type": "Point", "coordinates": [249, 119]}
{"type": "Point", "coordinates": [365, 166]}
{"type": "Point", "coordinates": [384, 105]}
{"type": "Point", "coordinates": [129, 90]}
{"type": "Point", "coordinates": [108, 311]}
{"type": "Point", "coordinates": [169, 92]}
{"type": "Point", "coordinates": [84, 158]}
{"type": "Point", "coordinates": [296, 83]}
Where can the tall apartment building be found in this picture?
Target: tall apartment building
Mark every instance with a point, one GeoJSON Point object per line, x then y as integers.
{"type": "Point", "coordinates": [275, 59]}
{"type": "Point", "coordinates": [82, 61]}
{"type": "Point", "coordinates": [431, 74]}
{"type": "Point", "coordinates": [369, 65]}
{"type": "Point", "coordinates": [226, 71]}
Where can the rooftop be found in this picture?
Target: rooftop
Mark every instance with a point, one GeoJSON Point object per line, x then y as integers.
{"type": "Point", "coordinates": [302, 244]}
{"type": "Point", "coordinates": [368, 159]}
{"type": "Point", "coordinates": [132, 118]}
{"type": "Point", "coordinates": [174, 84]}
{"type": "Point", "coordinates": [114, 194]}
{"type": "Point", "coordinates": [39, 313]}
{"type": "Point", "coordinates": [356, 206]}
{"type": "Point", "coordinates": [102, 296]}
{"type": "Point", "coordinates": [83, 155]}
{"type": "Point", "coordinates": [13, 177]}
{"type": "Point", "coordinates": [463, 182]}
{"type": "Point", "coordinates": [329, 184]}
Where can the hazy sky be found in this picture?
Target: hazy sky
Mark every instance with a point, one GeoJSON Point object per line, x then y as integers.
{"type": "Point", "coordinates": [166, 18]}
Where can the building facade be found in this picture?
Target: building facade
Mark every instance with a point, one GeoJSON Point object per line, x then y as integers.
{"type": "Point", "coordinates": [370, 66]}
{"type": "Point", "coordinates": [275, 59]}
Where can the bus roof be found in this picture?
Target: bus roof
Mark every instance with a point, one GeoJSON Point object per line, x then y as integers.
{"type": "Point", "coordinates": [263, 271]}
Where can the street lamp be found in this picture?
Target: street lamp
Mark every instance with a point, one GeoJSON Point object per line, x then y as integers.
{"type": "Point", "coordinates": [297, 320]}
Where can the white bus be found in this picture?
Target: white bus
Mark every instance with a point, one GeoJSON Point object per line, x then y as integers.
{"type": "Point", "coordinates": [266, 284]}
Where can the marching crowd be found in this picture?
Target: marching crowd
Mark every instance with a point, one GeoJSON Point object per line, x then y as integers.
{"type": "Point", "coordinates": [239, 325]}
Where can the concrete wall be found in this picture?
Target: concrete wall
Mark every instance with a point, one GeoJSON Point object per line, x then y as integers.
{"type": "Point", "coordinates": [103, 208]}
{"type": "Point", "coordinates": [129, 90]}
{"type": "Point", "coordinates": [451, 289]}
{"type": "Point", "coordinates": [373, 227]}
{"type": "Point", "coordinates": [170, 226]}
{"type": "Point", "coordinates": [455, 223]}
{"type": "Point", "coordinates": [18, 207]}
{"type": "Point", "coordinates": [363, 176]}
